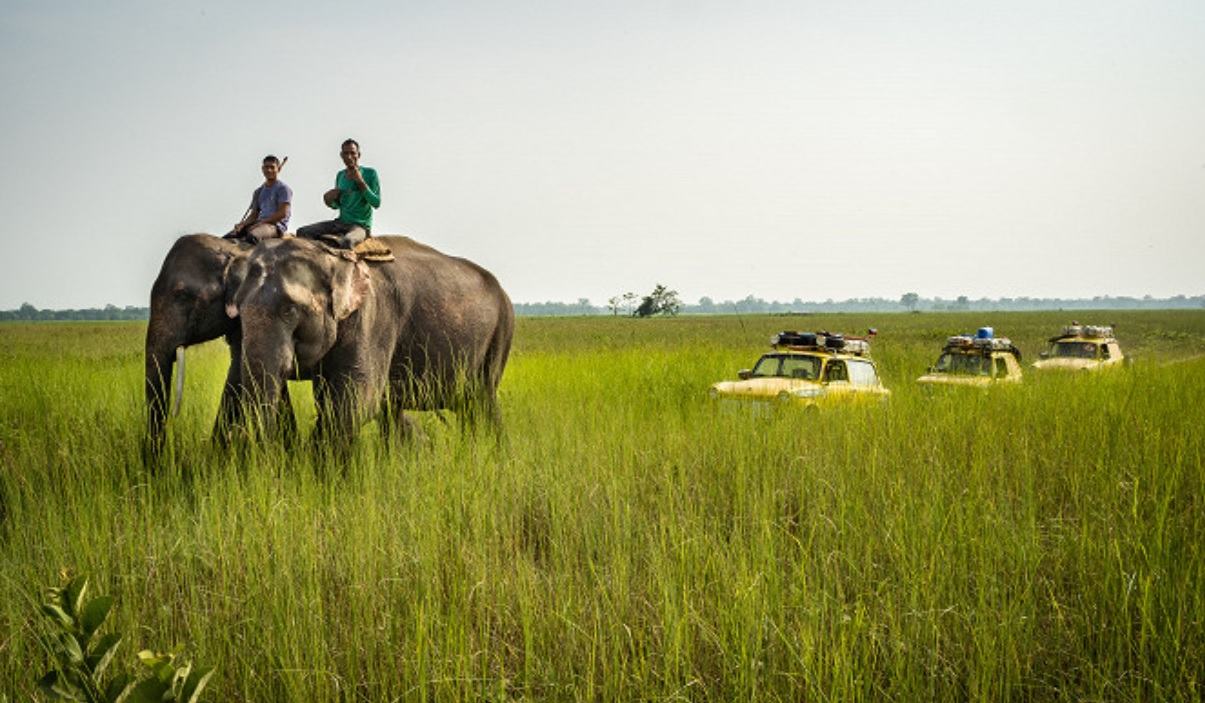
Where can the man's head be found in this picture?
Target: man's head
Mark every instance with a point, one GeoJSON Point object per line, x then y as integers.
{"type": "Point", "coordinates": [270, 167]}
{"type": "Point", "coordinates": [349, 151]}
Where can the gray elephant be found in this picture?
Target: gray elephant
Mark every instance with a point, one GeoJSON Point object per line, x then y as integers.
{"type": "Point", "coordinates": [425, 331]}
{"type": "Point", "coordinates": [188, 307]}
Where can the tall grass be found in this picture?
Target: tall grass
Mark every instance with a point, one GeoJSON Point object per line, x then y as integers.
{"type": "Point", "coordinates": [630, 541]}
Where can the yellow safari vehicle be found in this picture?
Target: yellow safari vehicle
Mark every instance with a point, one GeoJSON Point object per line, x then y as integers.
{"type": "Point", "coordinates": [809, 369]}
{"type": "Point", "coordinates": [1082, 348]}
{"type": "Point", "coordinates": [982, 360]}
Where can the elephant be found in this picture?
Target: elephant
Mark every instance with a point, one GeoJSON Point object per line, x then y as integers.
{"type": "Point", "coordinates": [424, 331]}
{"type": "Point", "coordinates": [188, 307]}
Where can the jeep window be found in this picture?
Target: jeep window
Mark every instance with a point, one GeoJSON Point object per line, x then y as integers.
{"type": "Point", "coordinates": [835, 372]}
{"type": "Point", "coordinates": [1074, 350]}
{"type": "Point", "coordinates": [964, 364]}
{"type": "Point", "coordinates": [766, 366]}
{"type": "Point", "coordinates": [861, 373]}
{"type": "Point", "coordinates": [1001, 367]}
{"type": "Point", "coordinates": [1104, 351]}
{"type": "Point", "coordinates": [806, 367]}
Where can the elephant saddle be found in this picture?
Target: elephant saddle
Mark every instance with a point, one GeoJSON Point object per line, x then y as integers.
{"type": "Point", "coordinates": [367, 250]}
{"type": "Point", "coordinates": [373, 250]}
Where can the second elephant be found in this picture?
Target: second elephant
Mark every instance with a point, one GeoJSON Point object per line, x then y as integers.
{"type": "Point", "coordinates": [425, 331]}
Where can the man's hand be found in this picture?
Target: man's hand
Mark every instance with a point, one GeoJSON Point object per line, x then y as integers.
{"type": "Point", "coordinates": [331, 197]}
{"type": "Point", "coordinates": [353, 172]}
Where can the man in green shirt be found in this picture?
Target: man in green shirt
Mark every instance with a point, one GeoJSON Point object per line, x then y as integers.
{"type": "Point", "coordinates": [356, 194]}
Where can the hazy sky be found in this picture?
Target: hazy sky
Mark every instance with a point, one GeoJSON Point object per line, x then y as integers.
{"type": "Point", "coordinates": [795, 149]}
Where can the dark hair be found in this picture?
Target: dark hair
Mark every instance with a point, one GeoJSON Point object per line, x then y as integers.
{"type": "Point", "coordinates": [350, 141]}
{"type": "Point", "coordinates": [271, 158]}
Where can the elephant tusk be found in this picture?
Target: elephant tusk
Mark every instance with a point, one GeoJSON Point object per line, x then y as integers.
{"type": "Point", "coordinates": [179, 381]}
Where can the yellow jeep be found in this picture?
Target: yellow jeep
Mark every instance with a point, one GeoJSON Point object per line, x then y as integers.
{"type": "Point", "coordinates": [981, 360]}
{"type": "Point", "coordinates": [808, 369]}
{"type": "Point", "coordinates": [1082, 348]}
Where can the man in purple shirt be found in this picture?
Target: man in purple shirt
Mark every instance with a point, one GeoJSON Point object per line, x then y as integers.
{"type": "Point", "coordinates": [268, 215]}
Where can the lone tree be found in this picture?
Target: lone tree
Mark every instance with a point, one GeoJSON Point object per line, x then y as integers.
{"type": "Point", "coordinates": [662, 301]}
{"type": "Point", "coordinates": [625, 302]}
{"type": "Point", "coordinates": [614, 303]}
{"type": "Point", "coordinates": [909, 300]}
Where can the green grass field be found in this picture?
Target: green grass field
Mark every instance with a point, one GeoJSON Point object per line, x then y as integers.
{"type": "Point", "coordinates": [629, 542]}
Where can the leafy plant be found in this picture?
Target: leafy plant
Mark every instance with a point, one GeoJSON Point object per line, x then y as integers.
{"type": "Point", "coordinates": [80, 659]}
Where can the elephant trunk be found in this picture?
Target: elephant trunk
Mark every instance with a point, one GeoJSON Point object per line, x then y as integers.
{"type": "Point", "coordinates": [160, 359]}
{"type": "Point", "coordinates": [265, 373]}
{"type": "Point", "coordinates": [179, 381]}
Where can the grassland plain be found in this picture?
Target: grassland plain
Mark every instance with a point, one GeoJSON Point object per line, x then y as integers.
{"type": "Point", "coordinates": [629, 542]}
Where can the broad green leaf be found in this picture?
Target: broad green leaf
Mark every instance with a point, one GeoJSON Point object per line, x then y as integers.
{"type": "Point", "coordinates": [118, 688]}
{"type": "Point", "coordinates": [191, 693]}
{"type": "Point", "coordinates": [76, 676]}
{"type": "Point", "coordinates": [94, 614]}
{"type": "Point", "coordinates": [53, 686]}
{"type": "Point", "coordinates": [179, 676]}
{"type": "Point", "coordinates": [59, 615]}
{"type": "Point", "coordinates": [165, 671]}
{"type": "Point", "coordinates": [68, 692]}
{"type": "Point", "coordinates": [71, 649]}
{"type": "Point", "coordinates": [147, 691]}
{"type": "Point", "coordinates": [73, 595]}
{"type": "Point", "coordinates": [102, 653]}
{"type": "Point", "coordinates": [152, 659]}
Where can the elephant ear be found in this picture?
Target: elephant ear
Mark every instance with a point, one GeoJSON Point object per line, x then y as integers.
{"type": "Point", "coordinates": [349, 285]}
{"type": "Point", "coordinates": [232, 278]}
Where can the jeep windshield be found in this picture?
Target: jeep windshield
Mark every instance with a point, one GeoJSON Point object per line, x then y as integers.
{"type": "Point", "coordinates": [1074, 350]}
{"type": "Point", "coordinates": [787, 366]}
{"type": "Point", "coordinates": [964, 364]}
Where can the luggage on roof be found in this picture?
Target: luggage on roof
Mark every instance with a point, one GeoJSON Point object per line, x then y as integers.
{"type": "Point", "coordinates": [831, 342]}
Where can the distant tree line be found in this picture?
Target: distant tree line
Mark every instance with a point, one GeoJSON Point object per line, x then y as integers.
{"type": "Point", "coordinates": [628, 304]}
{"type": "Point", "coordinates": [665, 301]}
{"type": "Point", "coordinates": [29, 313]}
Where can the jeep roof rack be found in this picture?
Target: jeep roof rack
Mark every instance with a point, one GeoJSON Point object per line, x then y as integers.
{"type": "Point", "coordinates": [1077, 331]}
{"type": "Point", "coordinates": [823, 341]}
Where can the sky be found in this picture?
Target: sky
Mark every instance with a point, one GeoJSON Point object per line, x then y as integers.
{"type": "Point", "coordinates": [784, 150]}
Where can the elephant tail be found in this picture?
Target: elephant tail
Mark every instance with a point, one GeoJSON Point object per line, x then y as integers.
{"type": "Point", "coordinates": [499, 348]}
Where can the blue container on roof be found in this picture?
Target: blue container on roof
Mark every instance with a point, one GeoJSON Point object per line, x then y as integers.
{"type": "Point", "coordinates": [985, 333]}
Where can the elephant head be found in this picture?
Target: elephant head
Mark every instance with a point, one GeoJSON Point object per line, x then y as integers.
{"type": "Point", "coordinates": [187, 307]}
{"type": "Point", "coordinates": [290, 302]}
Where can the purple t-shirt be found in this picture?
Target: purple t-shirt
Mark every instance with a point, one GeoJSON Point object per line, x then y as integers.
{"type": "Point", "coordinates": [268, 198]}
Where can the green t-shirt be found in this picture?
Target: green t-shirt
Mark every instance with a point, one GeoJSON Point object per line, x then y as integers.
{"type": "Point", "coordinates": [355, 205]}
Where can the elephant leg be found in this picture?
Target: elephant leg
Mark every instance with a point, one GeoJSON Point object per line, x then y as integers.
{"type": "Point", "coordinates": [337, 412]}
{"type": "Point", "coordinates": [230, 407]}
{"type": "Point", "coordinates": [395, 421]}
{"type": "Point", "coordinates": [385, 420]}
{"type": "Point", "coordinates": [322, 401]}
{"type": "Point", "coordinates": [488, 410]}
{"type": "Point", "coordinates": [325, 444]}
{"type": "Point", "coordinates": [477, 405]}
{"type": "Point", "coordinates": [492, 414]}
